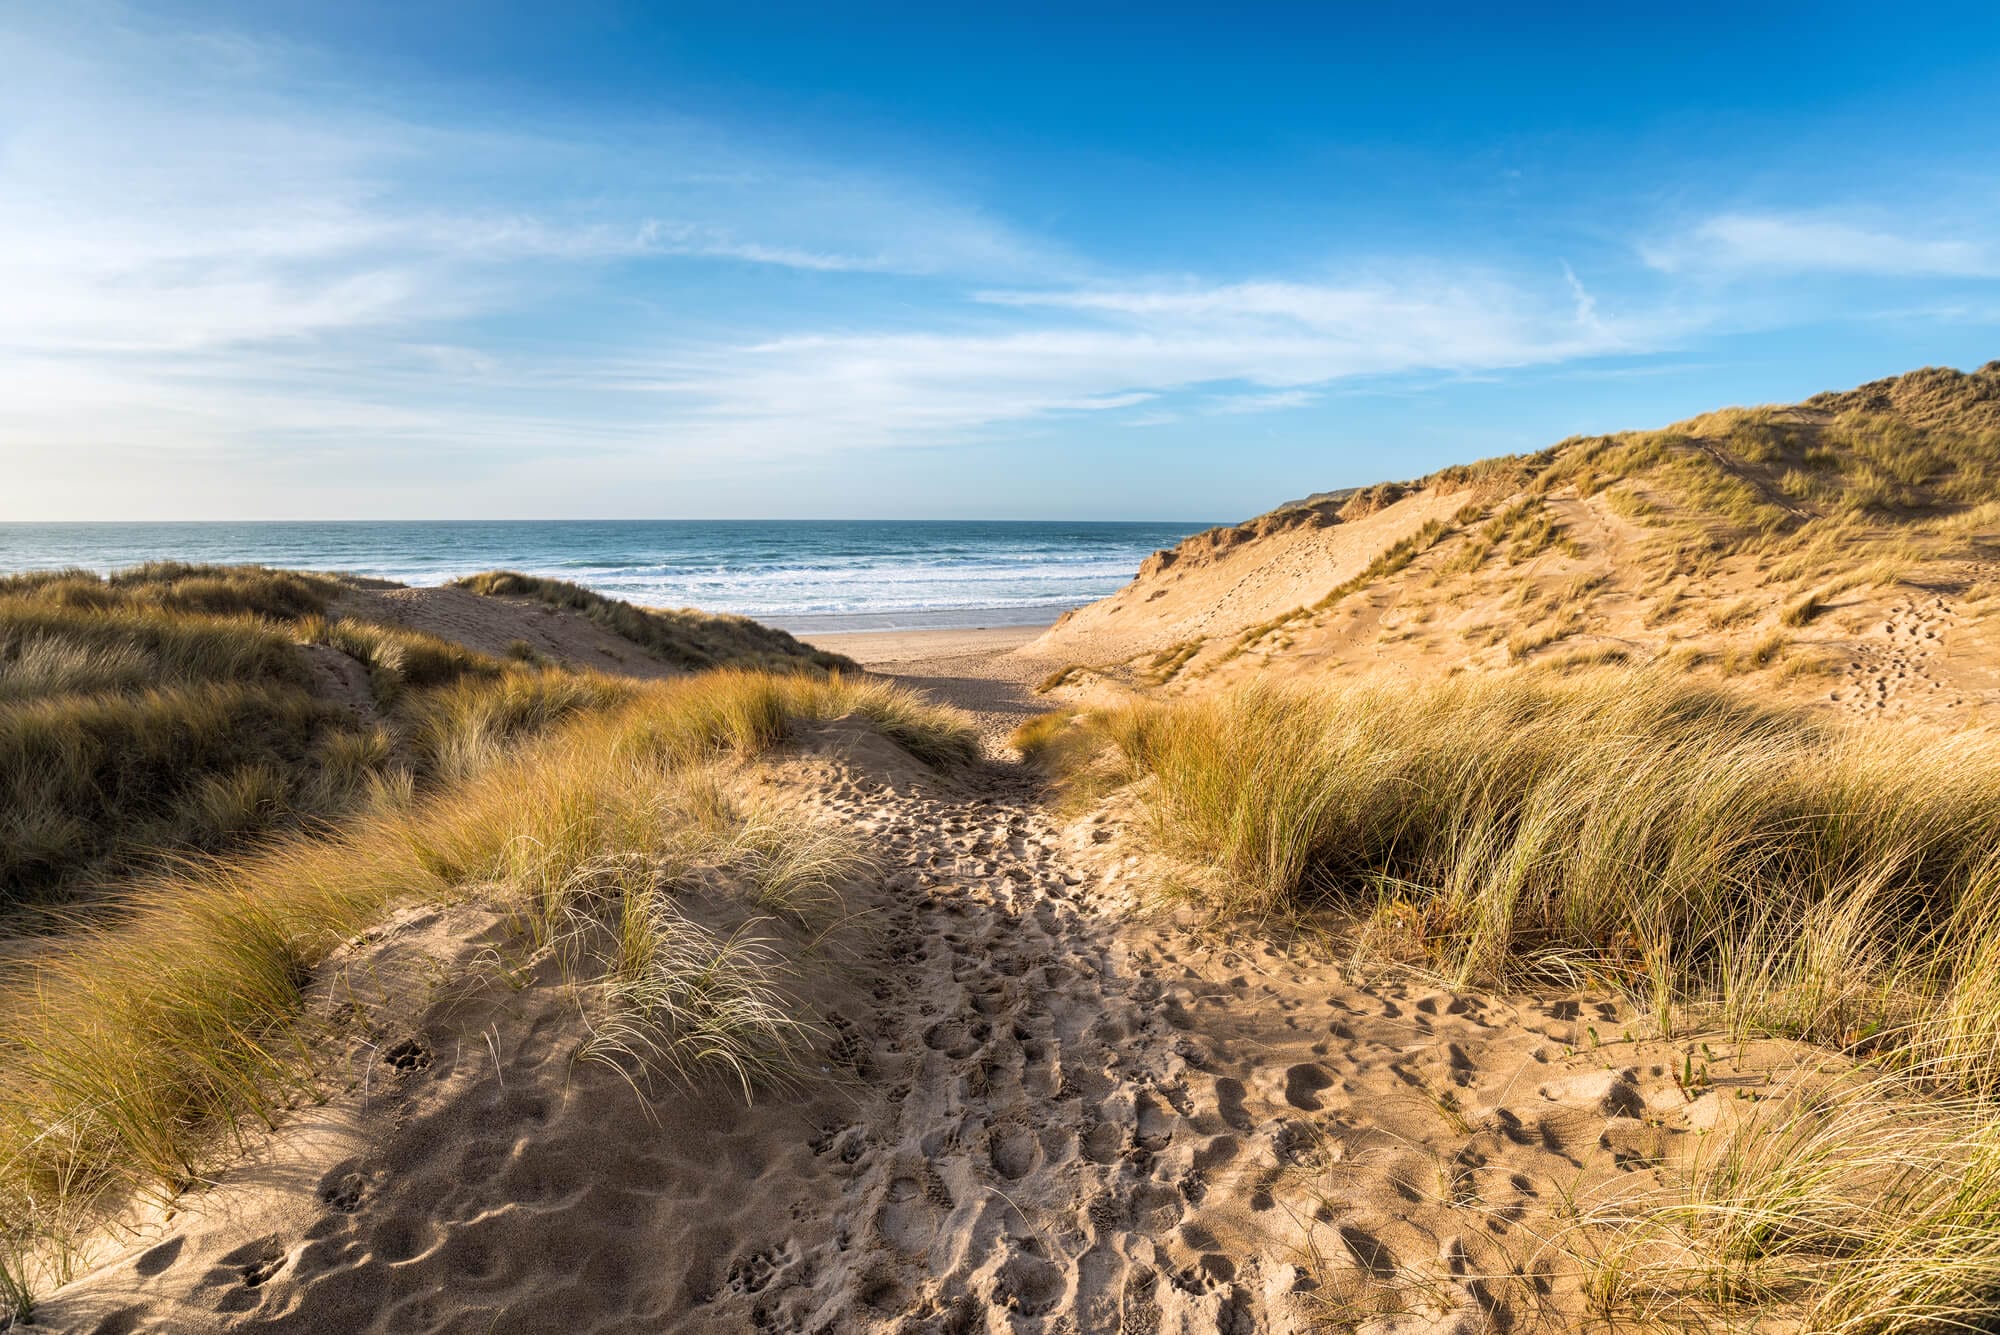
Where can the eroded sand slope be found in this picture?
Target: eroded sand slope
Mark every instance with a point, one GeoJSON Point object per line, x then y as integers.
{"type": "Point", "coordinates": [1844, 552]}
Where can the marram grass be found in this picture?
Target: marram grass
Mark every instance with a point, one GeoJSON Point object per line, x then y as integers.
{"type": "Point", "coordinates": [173, 709]}
{"type": "Point", "coordinates": [129, 1048]}
{"type": "Point", "coordinates": [1721, 861]}
{"type": "Point", "coordinates": [1670, 834]}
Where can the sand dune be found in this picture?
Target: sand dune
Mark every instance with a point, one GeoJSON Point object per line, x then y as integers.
{"type": "Point", "coordinates": [1696, 545]}
{"type": "Point", "coordinates": [1039, 1109]}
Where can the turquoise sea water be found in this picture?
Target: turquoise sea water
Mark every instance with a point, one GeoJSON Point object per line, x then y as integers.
{"type": "Point", "coordinates": [804, 575]}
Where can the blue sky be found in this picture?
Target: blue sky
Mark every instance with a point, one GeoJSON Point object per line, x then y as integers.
{"type": "Point", "coordinates": [409, 260]}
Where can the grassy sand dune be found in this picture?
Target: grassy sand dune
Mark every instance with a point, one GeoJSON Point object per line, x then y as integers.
{"type": "Point", "coordinates": [133, 1051]}
{"type": "Point", "coordinates": [1561, 893]}
{"type": "Point", "coordinates": [1821, 550]}
{"type": "Point", "coordinates": [1738, 873]}
{"type": "Point", "coordinates": [685, 637]}
{"type": "Point", "coordinates": [174, 708]}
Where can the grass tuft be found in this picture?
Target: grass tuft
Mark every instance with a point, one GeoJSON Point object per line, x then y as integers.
{"type": "Point", "coordinates": [1804, 611]}
{"type": "Point", "coordinates": [1061, 677]}
{"type": "Point", "coordinates": [174, 709]}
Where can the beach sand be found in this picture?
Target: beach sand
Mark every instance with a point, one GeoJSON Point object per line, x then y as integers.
{"type": "Point", "coordinates": [980, 670]}
{"type": "Point", "coordinates": [890, 649]}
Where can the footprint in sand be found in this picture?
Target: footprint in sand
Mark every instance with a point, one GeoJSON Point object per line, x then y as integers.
{"type": "Point", "coordinates": [907, 1219]}
{"type": "Point", "coordinates": [1028, 1285]}
{"type": "Point", "coordinates": [342, 1190]}
{"type": "Point", "coordinates": [1014, 1151]}
{"type": "Point", "coordinates": [1303, 1083]}
{"type": "Point", "coordinates": [159, 1259]}
{"type": "Point", "coordinates": [1154, 1129]}
{"type": "Point", "coordinates": [1101, 1142]}
{"type": "Point", "coordinates": [1229, 1096]}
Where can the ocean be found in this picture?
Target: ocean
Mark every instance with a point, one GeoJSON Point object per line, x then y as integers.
{"type": "Point", "coordinates": [802, 575]}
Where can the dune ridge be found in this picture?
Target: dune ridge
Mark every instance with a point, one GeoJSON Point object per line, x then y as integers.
{"type": "Point", "coordinates": [1821, 550]}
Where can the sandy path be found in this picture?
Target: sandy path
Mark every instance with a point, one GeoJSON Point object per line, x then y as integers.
{"type": "Point", "coordinates": [1088, 1123]}
{"type": "Point", "coordinates": [1043, 1109]}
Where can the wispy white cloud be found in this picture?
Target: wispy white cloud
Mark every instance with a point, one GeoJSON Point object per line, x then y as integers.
{"type": "Point", "coordinates": [214, 262]}
{"type": "Point", "coordinates": [1231, 405]}
{"type": "Point", "coordinates": [214, 256]}
{"type": "Point", "coordinates": [1586, 304]}
{"type": "Point", "coordinates": [1283, 337]}
{"type": "Point", "coordinates": [168, 192]}
{"type": "Point", "coordinates": [1783, 244]}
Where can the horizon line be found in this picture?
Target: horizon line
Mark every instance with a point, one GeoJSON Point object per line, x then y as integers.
{"type": "Point", "coordinates": [624, 519]}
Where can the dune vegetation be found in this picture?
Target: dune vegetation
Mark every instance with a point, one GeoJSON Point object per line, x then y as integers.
{"type": "Point", "coordinates": [215, 777]}
{"type": "Point", "coordinates": [1588, 779]}
{"type": "Point", "coordinates": [689, 638]}
{"type": "Point", "coordinates": [1629, 828]}
{"type": "Point", "coordinates": [1640, 539]}
{"type": "Point", "coordinates": [127, 1055]}
{"type": "Point", "coordinates": [172, 709]}
{"type": "Point", "coordinates": [1736, 869]}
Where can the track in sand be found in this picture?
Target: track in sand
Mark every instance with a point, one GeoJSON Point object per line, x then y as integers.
{"type": "Point", "coordinates": [1042, 1111]}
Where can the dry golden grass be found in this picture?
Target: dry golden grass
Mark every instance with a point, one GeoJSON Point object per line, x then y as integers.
{"type": "Point", "coordinates": [1061, 677]}
{"type": "Point", "coordinates": [1850, 1204]}
{"type": "Point", "coordinates": [173, 586]}
{"type": "Point", "coordinates": [1727, 866]}
{"type": "Point", "coordinates": [173, 708]}
{"type": "Point", "coordinates": [1165, 665]}
{"type": "Point", "coordinates": [397, 658]}
{"type": "Point", "coordinates": [1679, 841]}
{"type": "Point", "coordinates": [1803, 611]}
{"type": "Point", "coordinates": [1754, 656]}
{"type": "Point", "coordinates": [1523, 643]}
{"type": "Point", "coordinates": [1732, 613]}
{"type": "Point", "coordinates": [131, 1045]}
{"type": "Point", "coordinates": [131, 724]}
{"type": "Point", "coordinates": [99, 779]}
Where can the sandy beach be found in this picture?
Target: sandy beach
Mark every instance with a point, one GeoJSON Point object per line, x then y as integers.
{"type": "Point", "coordinates": [981, 669]}
{"type": "Point", "coordinates": [895, 648]}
